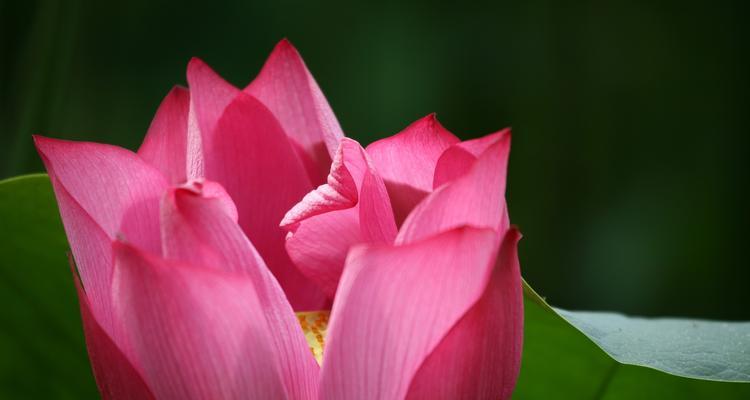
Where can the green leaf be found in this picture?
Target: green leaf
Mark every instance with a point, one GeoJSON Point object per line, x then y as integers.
{"type": "Point", "coordinates": [594, 355]}
{"type": "Point", "coordinates": [42, 351]}
{"type": "Point", "coordinates": [567, 355]}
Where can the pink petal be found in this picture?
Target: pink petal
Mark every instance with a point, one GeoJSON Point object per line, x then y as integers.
{"type": "Point", "coordinates": [102, 191]}
{"type": "Point", "coordinates": [165, 145]}
{"type": "Point", "coordinates": [394, 306]}
{"type": "Point", "coordinates": [481, 355]}
{"type": "Point", "coordinates": [341, 190]}
{"type": "Point", "coordinates": [198, 229]}
{"type": "Point", "coordinates": [458, 159]}
{"type": "Point", "coordinates": [286, 87]}
{"type": "Point", "coordinates": [113, 185]}
{"type": "Point", "coordinates": [319, 246]}
{"type": "Point", "coordinates": [254, 161]}
{"type": "Point", "coordinates": [475, 199]}
{"type": "Point", "coordinates": [210, 94]}
{"type": "Point", "coordinates": [116, 376]}
{"type": "Point", "coordinates": [198, 333]}
{"type": "Point", "coordinates": [213, 191]}
{"type": "Point", "coordinates": [406, 161]}
{"type": "Point", "coordinates": [353, 207]}
{"type": "Point", "coordinates": [376, 218]}
{"type": "Point", "coordinates": [92, 251]}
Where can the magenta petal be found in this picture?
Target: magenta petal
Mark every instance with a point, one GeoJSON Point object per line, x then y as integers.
{"type": "Point", "coordinates": [210, 94]}
{"type": "Point", "coordinates": [102, 191]}
{"type": "Point", "coordinates": [458, 159]}
{"type": "Point", "coordinates": [165, 145]}
{"type": "Point", "coordinates": [255, 162]}
{"type": "Point", "coordinates": [406, 161]}
{"type": "Point", "coordinates": [113, 185]}
{"type": "Point", "coordinates": [199, 230]}
{"type": "Point", "coordinates": [376, 219]}
{"type": "Point", "coordinates": [319, 246]}
{"type": "Point", "coordinates": [116, 376]}
{"type": "Point", "coordinates": [475, 199]}
{"type": "Point", "coordinates": [198, 333]}
{"type": "Point", "coordinates": [480, 357]}
{"type": "Point", "coordinates": [92, 250]}
{"type": "Point", "coordinates": [286, 87]}
{"type": "Point", "coordinates": [353, 207]}
{"type": "Point", "coordinates": [341, 190]}
{"type": "Point", "coordinates": [395, 304]}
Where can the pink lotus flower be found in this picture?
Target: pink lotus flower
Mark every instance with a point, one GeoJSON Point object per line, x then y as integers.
{"type": "Point", "coordinates": [194, 253]}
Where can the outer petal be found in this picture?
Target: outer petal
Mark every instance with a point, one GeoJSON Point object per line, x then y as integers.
{"type": "Point", "coordinates": [459, 158]}
{"type": "Point", "coordinates": [475, 199]}
{"type": "Point", "coordinates": [202, 232]}
{"type": "Point", "coordinates": [407, 161]}
{"type": "Point", "coordinates": [165, 145]}
{"type": "Point", "coordinates": [91, 249]}
{"type": "Point", "coordinates": [395, 304]}
{"type": "Point", "coordinates": [254, 161]}
{"type": "Point", "coordinates": [198, 333]}
{"type": "Point", "coordinates": [481, 355]}
{"type": "Point", "coordinates": [116, 376]}
{"type": "Point", "coordinates": [102, 190]}
{"type": "Point", "coordinates": [286, 87]}
{"type": "Point", "coordinates": [353, 207]}
{"type": "Point", "coordinates": [210, 94]}
{"type": "Point", "coordinates": [113, 185]}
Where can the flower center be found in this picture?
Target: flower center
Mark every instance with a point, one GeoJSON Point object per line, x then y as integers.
{"type": "Point", "coordinates": [315, 324]}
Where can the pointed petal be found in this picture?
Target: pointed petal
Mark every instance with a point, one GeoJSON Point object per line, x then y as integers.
{"type": "Point", "coordinates": [406, 161]}
{"type": "Point", "coordinates": [395, 304]}
{"type": "Point", "coordinates": [353, 207]}
{"type": "Point", "coordinates": [91, 248]}
{"type": "Point", "coordinates": [165, 145]}
{"type": "Point", "coordinates": [286, 86]}
{"type": "Point", "coordinates": [113, 185]}
{"type": "Point", "coordinates": [198, 230]}
{"type": "Point", "coordinates": [481, 355]}
{"type": "Point", "coordinates": [102, 190]}
{"type": "Point", "coordinates": [475, 199]}
{"type": "Point", "coordinates": [254, 161]}
{"type": "Point", "coordinates": [116, 376]}
{"type": "Point", "coordinates": [458, 159]}
{"type": "Point", "coordinates": [376, 219]}
{"type": "Point", "coordinates": [409, 156]}
{"type": "Point", "coordinates": [210, 94]}
{"type": "Point", "coordinates": [198, 333]}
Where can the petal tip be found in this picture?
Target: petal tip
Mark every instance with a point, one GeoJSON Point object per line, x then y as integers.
{"type": "Point", "coordinates": [514, 234]}
{"type": "Point", "coordinates": [285, 45]}
{"type": "Point", "coordinates": [42, 142]}
{"type": "Point", "coordinates": [195, 62]}
{"type": "Point", "coordinates": [196, 68]}
{"type": "Point", "coordinates": [178, 90]}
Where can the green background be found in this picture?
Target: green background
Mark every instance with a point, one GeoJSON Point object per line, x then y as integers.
{"type": "Point", "coordinates": [629, 169]}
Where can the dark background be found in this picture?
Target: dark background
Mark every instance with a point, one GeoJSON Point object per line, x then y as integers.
{"type": "Point", "coordinates": [629, 169]}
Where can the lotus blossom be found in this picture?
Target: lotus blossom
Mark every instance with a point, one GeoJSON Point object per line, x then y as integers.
{"type": "Point", "coordinates": [244, 207]}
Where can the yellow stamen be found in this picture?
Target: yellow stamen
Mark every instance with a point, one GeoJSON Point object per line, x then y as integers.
{"type": "Point", "coordinates": [315, 324]}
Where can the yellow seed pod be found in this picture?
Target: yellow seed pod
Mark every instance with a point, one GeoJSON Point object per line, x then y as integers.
{"type": "Point", "coordinates": [315, 324]}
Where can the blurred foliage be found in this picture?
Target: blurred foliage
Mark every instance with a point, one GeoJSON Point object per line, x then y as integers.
{"type": "Point", "coordinates": [42, 350]}
{"type": "Point", "coordinates": [560, 361]}
{"type": "Point", "coordinates": [629, 170]}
